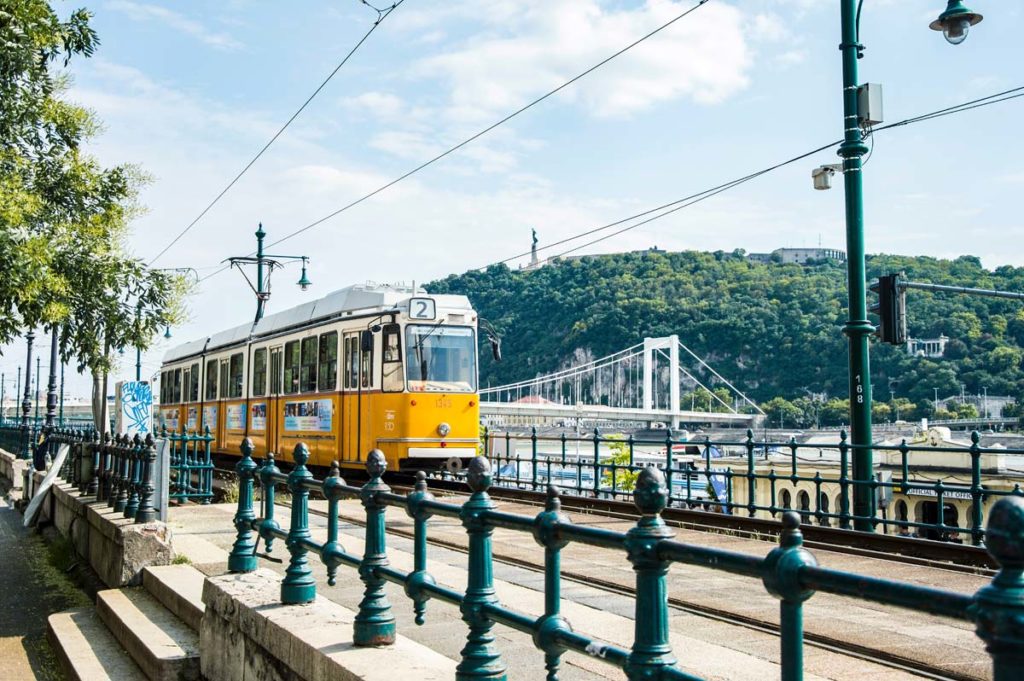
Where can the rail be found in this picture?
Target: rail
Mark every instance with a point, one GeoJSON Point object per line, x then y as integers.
{"type": "Point", "coordinates": [765, 479]}
{"type": "Point", "coordinates": [191, 466]}
{"type": "Point", "coordinates": [789, 572]}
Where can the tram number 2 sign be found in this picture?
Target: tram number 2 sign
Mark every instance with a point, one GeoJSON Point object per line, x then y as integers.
{"type": "Point", "coordinates": [422, 308]}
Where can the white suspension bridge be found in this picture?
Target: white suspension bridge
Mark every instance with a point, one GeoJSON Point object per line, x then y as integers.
{"type": "Point", "coordinates": [645, 384]}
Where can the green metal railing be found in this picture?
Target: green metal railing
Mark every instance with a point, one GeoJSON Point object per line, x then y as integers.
{"type": "Point", "coordinates": [587, 465]}
{"type": "Point", "coordinates": [191, 466]}
{"type": "Point", "coordinates": [118, 470]}
{"type": "Point", "coordinates": [789, 572]}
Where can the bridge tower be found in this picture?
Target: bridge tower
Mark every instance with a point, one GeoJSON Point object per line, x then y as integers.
{"type": "Point", "coordinates": [670, 343]}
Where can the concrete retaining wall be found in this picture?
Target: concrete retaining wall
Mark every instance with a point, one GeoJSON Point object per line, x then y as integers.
{"type": "Point", "coordinates": [13, 470]}
{"type": "Point", "coordinates": [248, 635]}
{"type": "Point", "coordinates": [117, 549]}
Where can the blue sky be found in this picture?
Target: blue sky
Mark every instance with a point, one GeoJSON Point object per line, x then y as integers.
{"type": "Point", "coordinates": [190, 90]}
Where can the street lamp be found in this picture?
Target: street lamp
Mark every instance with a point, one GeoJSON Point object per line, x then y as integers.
{"type": "Point", "coordinates": [268, 263]}
{"type": "Point", "coordinates": [955, 22]}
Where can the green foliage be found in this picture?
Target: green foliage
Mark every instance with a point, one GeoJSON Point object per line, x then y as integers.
{"type": "Point", "coordinates": [624, 480]}
{"type": "Point", "coordinates": [775, 330]}
{"type": "Point", "coordinates": [63, 216]}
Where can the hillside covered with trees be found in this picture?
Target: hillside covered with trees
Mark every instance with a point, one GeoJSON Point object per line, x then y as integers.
{"type": "Point", "coordinates": [772, 329]}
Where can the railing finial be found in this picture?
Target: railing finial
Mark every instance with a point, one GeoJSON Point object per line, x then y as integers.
{"type": "Point", "coordinates": [651, 492]}
{"type": "Point", "coordinates": [374, 623]}
{"type": "Point", "coordinates": [478, 475]}
{"type": "Point", "coordinates": [243, 553]}
{"type": "Point", "coordinates": [298, 585]}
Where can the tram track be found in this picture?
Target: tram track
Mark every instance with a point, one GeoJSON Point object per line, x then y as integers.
{"type": "Point", "coordinates": [403, 484]}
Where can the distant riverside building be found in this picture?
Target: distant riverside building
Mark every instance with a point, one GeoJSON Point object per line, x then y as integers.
{"type": "Point", "coordinates": [933, 348]}
{"type": "Point", "coordinates": [798, 256]}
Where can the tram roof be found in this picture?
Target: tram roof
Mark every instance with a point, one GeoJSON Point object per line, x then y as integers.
{"type": "Point", "coordinates": [356, 298]}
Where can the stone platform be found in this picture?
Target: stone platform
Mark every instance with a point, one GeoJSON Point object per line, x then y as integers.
{"type": "Point", "coordinates": [711, 647]}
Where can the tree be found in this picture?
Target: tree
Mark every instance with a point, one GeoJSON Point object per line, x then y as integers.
{"type": "Point", "coordinates": [63, 217]}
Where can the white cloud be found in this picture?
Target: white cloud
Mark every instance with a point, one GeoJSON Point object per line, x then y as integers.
{"type": "Point", "coordinates": [534, 45]}
{"type": "Point", "coordinates": [377, 104]}
{"type": "Point", "coordinates": [140, 11]}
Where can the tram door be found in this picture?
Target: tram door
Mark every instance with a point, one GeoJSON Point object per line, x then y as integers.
{"type": "Point", "coordinates": [225, 382]}
{"type": "Point", "coordinates": [350, 399]}
{"type": "Point", "coordinates": [275, 412]}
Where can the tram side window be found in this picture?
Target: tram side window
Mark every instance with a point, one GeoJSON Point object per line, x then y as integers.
{"type": "Point", "coordinates": [211, 379]}
{"type": "Point", "coordinates": [163, 387]}
{"type": "Point", "coordinates": [391, 366]}
{"type": "Point", "coordinates": [328, 369]}
{"type": "Point", "coordinates": [366, 365]}
{"type": "Point", "coordinates": [259, 372]}
{"type": "Point", "coordinates": [223, 379]}
{"type": "Point", "coordinates": [193, 383]}
{"type": "Point", "coordinates": [307, 368]}
{"type": "Point", "coordinates": [275, 371]}
{"type": "Point", "coordinates": [237, 363]}
{"type": "Point", "coordinates": [176, 394]}
{"type": "Point", "coordinates": [351, 361]}
{"type": "Point", "coordinates": [291, 367]}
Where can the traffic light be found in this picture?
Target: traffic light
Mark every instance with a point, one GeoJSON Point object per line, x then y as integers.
{"type": "Point", "coordinates": [891, 309]}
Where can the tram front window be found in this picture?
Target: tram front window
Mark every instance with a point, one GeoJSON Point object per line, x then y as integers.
{"type": "Point", "coordinates": [440, 358]}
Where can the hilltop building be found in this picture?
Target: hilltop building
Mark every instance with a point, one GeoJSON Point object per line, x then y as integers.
{"type": "Point", "coordinates": [798, 256]}
{"type": "Point", "coordinates": [933, 348]}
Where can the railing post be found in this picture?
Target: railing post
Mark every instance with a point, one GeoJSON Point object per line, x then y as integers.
{"type": "Point", "coordinates": [551, 624]}
{"type": "Point", "coordinates": [332, 551]}
{"type": "Point", "coordinates": [751, 478]}
{"type": "Point", "coordinates": [123, 464]}
{"type": "Point", "coordinates": [207, 468]}
{"type": "Point", "coordinates": [999, 607]}
{"type": "Point", "coordinates": [977, 516]}
{"type": "Point", "coordinates": [243, 552]}
{"type": "Point", "coordinates": [480, 657]}
{"type": "Point", "coordinates": [419, 577]}
{"type": "Point", "coordinates": [781, 577]}
{"type": "Point", "coordinates": [131, 507]}
{"type": "Point", "coordinates": [146, 513]}
{"type": "Point", "coordinates": [651, 651]}
{"type": "Point", "coordinates": [374, 624]}
{"type": "Point", "coordinates": [298, 585]}
{"type": "Point", "coordinates": [267, 478]}
{"type": "Point", "coordinates": [93, 488]}
{"type": "Point", "coordinates": [844, 481]}
{"type": "Point", "coordinates": [106, 481]}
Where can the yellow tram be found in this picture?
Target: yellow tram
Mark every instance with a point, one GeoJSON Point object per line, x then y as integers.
{"type": "Point", "coordinates": [362, 368]}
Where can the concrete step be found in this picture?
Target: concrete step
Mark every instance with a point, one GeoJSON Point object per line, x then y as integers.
{"type": "Point", "coordinates": [179, 588]}
{"type": "Point", "coordinates": [86, 649]}
{"type": "Point", "coordinates": [164, 647]}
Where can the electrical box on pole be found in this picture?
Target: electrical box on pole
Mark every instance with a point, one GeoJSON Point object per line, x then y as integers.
{"type": "Point", "coordinates": [891, 309]}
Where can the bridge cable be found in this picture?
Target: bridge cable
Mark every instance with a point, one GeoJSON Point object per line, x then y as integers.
{"type": "Point", "coordinates": [381, 16]}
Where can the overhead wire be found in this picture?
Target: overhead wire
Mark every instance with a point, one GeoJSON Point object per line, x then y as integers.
{"type": "Point", "coordinates": [708, 193]}
{"type": "Point", "coordinates": [481, 133]}
{"type": "Point", "coordinates": [381, 16]}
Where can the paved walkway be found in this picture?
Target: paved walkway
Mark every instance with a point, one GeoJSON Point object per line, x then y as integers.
{"type": "Point", "coordinates": [709, 648]}
{"type": "Point", "coordinates": [32, 590]}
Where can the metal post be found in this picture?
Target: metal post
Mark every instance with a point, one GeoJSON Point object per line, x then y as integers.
{"type": "Point", "coordinates": [3, 410]}
{"type": "Point", "coordinates": [261, 300]}
{"type": "Point", "coordinates": [651, 652]}
{"type": "Point", "coordinates": [781, 577]}
{"type": "Point", "coordinates": [857, 328]}
{"type": "Point", "coordinates": [268, 526]}
{"type": "Point", "coordinates": [999, 607]}
{"type": "Point", "coordinates": [93, 488]}
{"type": "Point", "coordinates": [298, 585]}
{"type": "Point", "coordinates": [123, 473]}
{"type": "Point", "coordinates": [243, 552]}
{"type": "Point", "coordinates": [480, 657]}
{"type": "Point", "coordinates": [17, 393]}
{"type": "Point", "coordinates": [51, 384]}
{"type": "Point", "coordinates": [552, 624]}
{"type": "Point", "coordinates": [146, 513]}
{"type": "Point", "coordinates": [135, 463]}
{"type": "Point", "coordinates": [26, 402]}
{"type": "Point", "coordinates": [419, 577]}
{"type": "Point", "coordinates": [333, 552]}
{"type": "Point", "coordinates": [60, 408]}
{"type": "Point", "coordinates": [138, 363]}
{"type": "Point", "coordinates": [39, 363]}
{"type": "Point", "coordinates": [374, 623]}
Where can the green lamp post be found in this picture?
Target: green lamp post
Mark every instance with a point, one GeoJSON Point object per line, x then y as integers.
{"type": "Point", "coordinates": [954, 23]}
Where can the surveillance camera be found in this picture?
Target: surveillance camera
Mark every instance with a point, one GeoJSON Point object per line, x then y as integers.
{"type": "Point", "coordinates": [822, 175]}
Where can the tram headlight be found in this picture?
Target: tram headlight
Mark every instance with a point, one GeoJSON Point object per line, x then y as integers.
{"type": "Point", "coordinates": [443, 429]}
